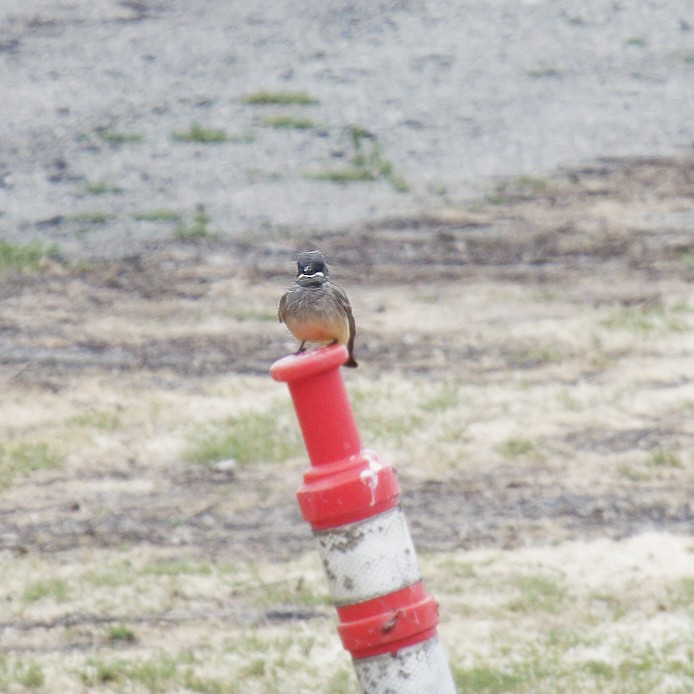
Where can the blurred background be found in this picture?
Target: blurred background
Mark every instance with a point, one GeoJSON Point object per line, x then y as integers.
{"type": "Point", "coordinates": [506, 191]}
{"type": "Point", "coordinates": [101, 100]}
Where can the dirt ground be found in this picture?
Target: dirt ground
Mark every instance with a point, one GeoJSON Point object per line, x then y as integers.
{"type": "Point", "coordinates": [437, 298]}
{"type": "Point", "coordinates": [545, 339]}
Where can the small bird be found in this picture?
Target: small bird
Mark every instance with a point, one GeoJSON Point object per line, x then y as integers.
{"type": "Point", "coordinates": [316, 310]}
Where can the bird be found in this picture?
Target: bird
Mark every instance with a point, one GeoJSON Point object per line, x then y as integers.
{"type": "Point", "coordinates": [316, 310]}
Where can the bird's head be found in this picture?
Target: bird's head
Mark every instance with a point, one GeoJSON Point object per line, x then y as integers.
{"type": "Point", "coordinates": [311, 264]}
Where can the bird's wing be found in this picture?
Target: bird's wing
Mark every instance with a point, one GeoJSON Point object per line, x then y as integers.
{"type": "Point", "coordinates": [346, 308]}
{"type": "Point", "coordinates": [282, 307]}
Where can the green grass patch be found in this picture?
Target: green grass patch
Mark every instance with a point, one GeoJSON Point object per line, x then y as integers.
{"type": "Point", "coordinates": [121, 633]}
{"type": "Point", "coordinates": [664, 458]}
{"type": "Point", "coordinates": [516, 447]}
{"type": "Point", "coordinates": [686, 257]}
{"type": "Point", "coordinates": [485, 678]}
{"type": "Point", "coordinates": [200, 134]}
{"type": "Point", "coordinates": [93, 218]}
{"type": "Point", "coordinates": [101, 188]}
{"type": "Point", "coordinates": [198, 228]}
{"type": "Point", "coordinates": [55, 589]}
{"type": "Point", "coordinates": [118, 574]}
{"type": "Point", "coordinates": [263, 98]}
{"type": "Point", "coordinates": [158, 674]}
{"type": "Point", "coordinates": [251, 438]}
{"type": "Point", "coordinates": [367, 163]}
{"type": "Point", "coordinates": [444, 399]}
{"type": "Point", "coordinates": [27, 674]}
{"type": "Point", "coordinates": [632, 473]}
{"type": "Point", "coordinates": [18, 256]}
{"type": "Point", "coordinates": [643, 319]}
{"type": "Point", "coordinates": [382, 423]}
{"type": "Point", "coordinates": [160, 215]}
{"type": "Point", "coordinates": [116, 138]}
{"type": "Point", "coordinates": [102, 420]}
{"type": "Point", "coordinates": [537, 594]}
{"type": "Point", "coordinates": [599, 669]}
{"type": "Point", "coordinates": [516, 189]}
{"type": "Point", "coordinates": [289, 122]}
{"type": "Point", "coordinates": [636, 41]}
{"type": "Point", "coordinates": [683, 596]}
{"type": "Point", "coordinates": [23, 458]}
{"type": "Point", "coordinates": [342, 176]}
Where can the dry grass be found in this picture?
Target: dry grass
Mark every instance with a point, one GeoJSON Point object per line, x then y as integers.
{"type": "Point", "coordinates": [540, 421]}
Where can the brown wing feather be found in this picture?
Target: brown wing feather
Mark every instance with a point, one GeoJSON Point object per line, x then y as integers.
{"type": "Point", "coordinates": [281, 308]}
{"type": "Point", "coordinates": [346, 308]}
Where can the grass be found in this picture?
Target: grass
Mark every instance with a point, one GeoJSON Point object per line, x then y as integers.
{"type": "Point", "coordinates": [204, 135]}
{"type": "Point", "coordinates": [198, 228]}
{"type": "Point", "coordinates": [101, 420]}
{"type": "Point", "coordinates": [686, 257]}
{"type": "Point", "coordinates": [342, 176]}
{"type": "Point", "coordinates": [156, 674]}
{"type": "Point", "coordinates": [537, 594]}
{"type": "Point", "coordinates": [55, 589]}
{"type": "Point", "coordinates": [664, 458]}
{"type": "Point", "coordinates": [101, 188]}
{"type": "Point", "coordinates": [446, 398]}
{"type": "Point", "coordinates": [516, 189]}
{"type": "Point", "coordinates": [116, 138]}
{"type": "Point", "coordinates": [27, 674]}
{"type": "Point", "coordinates": [88, 221]}
{"type": "Point", "coordinates": [256, 437]}
{"type": "Point", "coordinates": [516, 447]}
{"type": "Point", "coordinates": [263, 314]}
{"type": "Point", "coordinates": [121, 633]}
{"type": "Point", "coordinates": [367, 163]}
{"type": "Point", "coordinates": [643, 319]}
{"type": "Point", "coordinates": [23, 458]}
{"type": "Point", "coordinates": [19, 256]}
{"type": "Point", "coordinates": [485, 678]}
{"type": "Point", "coordinates": [201, 134]}
{"type": "Point", "coordinates": [159, 215]}
{"type": "Point", "coordinates": [263, 98]}
{"type": "Point", "coordinates": [511, 623]}
{"type": "Point", "coordinates": [636, 41]}
{"type": "Point", "coordinates": [289, 122]}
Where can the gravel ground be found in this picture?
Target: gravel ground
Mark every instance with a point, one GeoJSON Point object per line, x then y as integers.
{"type": "Point", "coordinates": [457, 96]}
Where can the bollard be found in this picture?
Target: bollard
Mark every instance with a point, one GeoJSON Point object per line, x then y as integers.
{"type": "Point", "coordinates": [350, 497]}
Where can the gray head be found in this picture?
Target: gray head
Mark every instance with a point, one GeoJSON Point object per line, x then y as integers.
{"type": "Point", "coordinates": [311, 264]}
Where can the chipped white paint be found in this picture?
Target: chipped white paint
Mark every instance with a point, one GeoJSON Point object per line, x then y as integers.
{"type": "Point", "coordinates": [370, 558]}
{"type": "Point", "coordinates": [418, 669]}
{"type": "Point", "coordinates": [370, 475]}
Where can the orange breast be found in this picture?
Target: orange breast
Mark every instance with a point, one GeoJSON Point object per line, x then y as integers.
{"type": "Point", "coordinates": [319, 331]}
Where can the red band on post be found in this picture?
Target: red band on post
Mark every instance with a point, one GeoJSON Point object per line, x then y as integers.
{"type": "Point", "coordinates": [388, 623]}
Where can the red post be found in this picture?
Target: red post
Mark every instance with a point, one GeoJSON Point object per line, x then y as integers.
{"type": "Point", "coordinates": [350, 498]}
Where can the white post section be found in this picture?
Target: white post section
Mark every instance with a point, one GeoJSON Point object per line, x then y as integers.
{"type": "Point", "coordinates": [372, 559]}
{"type": "Point", "coordinates": [369, 558]}
{"type": "Point", "coordinates": [419, 669]}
